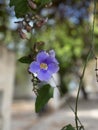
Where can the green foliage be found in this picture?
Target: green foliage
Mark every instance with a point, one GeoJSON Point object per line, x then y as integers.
{"type": "Point", "coordinates": [66, 45]}
{"type": "Point", "coordinates": [21, 7]}
{"type": "Point", "coordinates": [25, 59]}
{"type": "Point", "coordinates": [68, 127]}
{"type": "Point", "coordinates": [44, 94]}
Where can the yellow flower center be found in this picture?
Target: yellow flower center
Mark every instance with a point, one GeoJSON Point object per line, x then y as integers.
{"type": "Point", "coordinates": [43, 66]}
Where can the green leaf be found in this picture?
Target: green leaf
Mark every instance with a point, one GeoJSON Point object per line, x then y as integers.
{"type": "Point", "coordinates": [25, 59]}
{"type": "Point", "coordinates": [68, 127]}
{"type": "Point", "coordinates": [44, 94]}
{"type": "Point", "coordinates": [21, 7]}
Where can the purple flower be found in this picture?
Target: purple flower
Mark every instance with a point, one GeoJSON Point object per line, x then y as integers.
{"type": "Point", "coordinates": [45, 65]}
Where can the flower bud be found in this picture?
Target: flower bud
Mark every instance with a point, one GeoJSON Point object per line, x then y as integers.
{"type": "Point", "coordinates": [41, 23]}
{"type": "Point", "coordinates": [38, 17]}
{"type": "Point", "coordinates": [28, 27]}
{"type": "Point", "coordinates": [22, 34]}
{"type": "Point", "coordinates": [32, 4]}
{"type": "Point", "coordinates": [48, 5]}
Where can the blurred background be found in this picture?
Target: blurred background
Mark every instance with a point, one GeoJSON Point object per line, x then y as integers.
{"type": "Point", "coordinates": [69, 32]}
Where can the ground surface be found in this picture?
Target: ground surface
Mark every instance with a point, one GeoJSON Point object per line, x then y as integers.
{"type": "Point", "coordinates": [24, 118]}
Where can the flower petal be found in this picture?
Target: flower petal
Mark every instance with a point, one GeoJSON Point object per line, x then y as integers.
{"type": "Point", "coordinates": [55, 61]}
{"type": "Point", "coordinates": [52, 53]}
{"type": "Point", "coordinates": [43, 75]}
{"type": "Point", "coordinates": [50, 60]}
{"type": "Point", "coordinates": [53, 68]}
{"type": "Point", "coordinates": [34, 67]}
{"type": "Point", "coordinates": [42, 56]}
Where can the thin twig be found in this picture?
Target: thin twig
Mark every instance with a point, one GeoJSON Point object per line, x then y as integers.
{"type": "Point", "coordinates": [80, 84]}
{"type": "Point", "coordinates": [74, 113]}
{"type": "Point", "coordinates": [91, 51]}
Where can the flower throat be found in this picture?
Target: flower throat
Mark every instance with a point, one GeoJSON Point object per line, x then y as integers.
{"type": "Point", "coordinates": [43, 66]}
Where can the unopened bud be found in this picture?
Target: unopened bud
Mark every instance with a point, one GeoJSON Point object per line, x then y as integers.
{"type": "Point", "coordinates": [28, 27]}
{"type": "Point", "coordinates": [48, 5]}
{"type": "Point", "coordinates": [38, 17]}
{"type": "Point", "coordinates": [22, 34]}
{"type": "Point", "coordinates": [41, 23]}
{"type": "Point", "coordinates": [32, 4]}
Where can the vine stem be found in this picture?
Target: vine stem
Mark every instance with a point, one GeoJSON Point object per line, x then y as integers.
{"type": "Point", "coordinates": [80, 84]}
{"type": "Point", "coordinates": [91, 50]}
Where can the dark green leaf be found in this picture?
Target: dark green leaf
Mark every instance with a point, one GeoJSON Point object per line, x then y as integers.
{"type": "Point", "coordinates": [21, 7]}
{"type": "Point", "coordinates": [44, 94]}
{"type": "Point", "coordinates": [25, 59]}
{"type": "Point", "coordinates": [68, 127]}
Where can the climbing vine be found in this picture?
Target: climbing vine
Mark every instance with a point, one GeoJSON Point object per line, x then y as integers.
{"type": "Point", "coordinates": [42, 64]}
